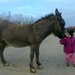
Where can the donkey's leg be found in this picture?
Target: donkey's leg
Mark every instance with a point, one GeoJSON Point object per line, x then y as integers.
{"type": "Point", "coordinates": [32, 69]}
{"type": "Point", "coordinates": [37, 57]}
{"type": "Point", "coordinates": [2, 47]}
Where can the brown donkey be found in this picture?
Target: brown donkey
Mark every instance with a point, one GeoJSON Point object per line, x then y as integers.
{"type": "Point", "coordinates": [31, 35]}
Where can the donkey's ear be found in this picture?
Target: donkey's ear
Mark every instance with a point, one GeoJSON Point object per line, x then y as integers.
{"type": "Point", "coordinates": [57, 12]}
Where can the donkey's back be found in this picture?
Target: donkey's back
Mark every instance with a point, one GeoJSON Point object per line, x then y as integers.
{"type": "Point", "coordinates": [4, 24]}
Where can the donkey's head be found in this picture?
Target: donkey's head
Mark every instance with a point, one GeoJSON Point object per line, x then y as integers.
{"type": "Point", "coordinates": [59, 27]}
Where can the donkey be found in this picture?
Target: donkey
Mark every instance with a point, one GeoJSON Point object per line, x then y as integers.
{"type": "Point", "coordinates": [32, 35]}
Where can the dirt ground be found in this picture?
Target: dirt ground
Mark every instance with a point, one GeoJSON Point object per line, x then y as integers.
{"type": "Point", "coordinates": [51, 57]}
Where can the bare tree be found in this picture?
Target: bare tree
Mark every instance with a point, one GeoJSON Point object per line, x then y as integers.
{"type": "Point", "coordinates": [17, 19]}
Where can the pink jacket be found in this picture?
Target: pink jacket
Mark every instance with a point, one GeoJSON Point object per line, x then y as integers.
{"type": "Point", "coordinates": [69, 44]}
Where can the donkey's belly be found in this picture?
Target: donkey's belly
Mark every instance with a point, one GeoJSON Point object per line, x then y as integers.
{"type": "Point", "coordinates": [15, 40]}
{"type": "Point", "coordinates": [18, 44]}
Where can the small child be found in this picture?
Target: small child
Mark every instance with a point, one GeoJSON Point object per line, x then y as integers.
{"type": "Point", "coordinates": [69, 46]}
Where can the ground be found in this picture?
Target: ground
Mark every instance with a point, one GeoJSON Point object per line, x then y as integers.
{"type": "Point", "coordinates": [51, 57]}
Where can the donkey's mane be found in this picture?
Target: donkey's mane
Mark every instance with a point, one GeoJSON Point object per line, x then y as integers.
{"type": "Point", "coordinates": [45, 17]}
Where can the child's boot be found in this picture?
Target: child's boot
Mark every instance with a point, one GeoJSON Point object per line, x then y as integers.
{"type": "Point", "coordinates": [74, 65]}
{"type": "Point", "coordinates": [67, 64]}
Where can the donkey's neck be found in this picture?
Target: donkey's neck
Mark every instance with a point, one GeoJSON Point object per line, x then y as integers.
{"type": "Point", "coordinates": [44, 28]}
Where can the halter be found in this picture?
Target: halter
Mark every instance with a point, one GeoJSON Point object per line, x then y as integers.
{"type": "Point", "coordinates": [57, 30]}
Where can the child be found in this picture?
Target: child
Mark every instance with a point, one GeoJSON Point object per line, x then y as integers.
{"type": "Point", "coordinates": [69, 46]}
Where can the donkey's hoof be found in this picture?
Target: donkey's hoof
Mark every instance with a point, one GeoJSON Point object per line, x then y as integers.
{"type": "Point", "coordinates": [33, 70]}
{"type": "Point", "coordinates": [40, 67]}
{"type": "Point", "coordinates": [6, 65]}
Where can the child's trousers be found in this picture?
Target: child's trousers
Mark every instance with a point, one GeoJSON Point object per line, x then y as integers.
{"type": "Point", "coordinates": [70, 56]}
